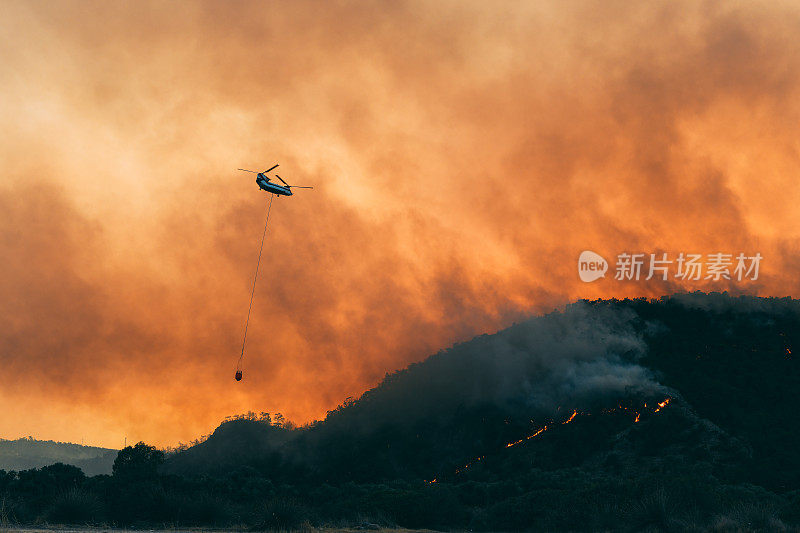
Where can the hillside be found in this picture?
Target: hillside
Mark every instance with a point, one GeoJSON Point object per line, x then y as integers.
{"type": "Point", "coordinates": [23, 454]}
{"type": "Point", "coordinates": [685, 404]}
{"type": "Point", "coordinates": [724, 363]}
{"type": "Point", "coordinates": [671, 414]}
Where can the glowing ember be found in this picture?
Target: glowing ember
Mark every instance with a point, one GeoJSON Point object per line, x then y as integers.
{"type": "Point", "coordinates": [572, 417]}
{"type": "Point", "coordinates": [536, 434]}
{"type": "Point", "coordinates": [662, 405]}
{"type": "Point", "coordinates": [469, 464]}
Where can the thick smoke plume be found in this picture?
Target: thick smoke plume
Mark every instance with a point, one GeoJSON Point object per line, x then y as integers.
{"type": "Point", "coordinates": [580, 358]}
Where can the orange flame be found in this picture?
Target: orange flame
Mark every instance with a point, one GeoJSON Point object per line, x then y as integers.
{"type": "Point", "coordinates": [544, 428]}
{"type": "Point", "coordinates": [529, 437]}
{"type": "Point", "coordinates": [662, 405]}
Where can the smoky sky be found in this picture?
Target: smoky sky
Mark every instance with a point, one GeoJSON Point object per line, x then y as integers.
{"type": "Point", "coordinates": [463, 155]}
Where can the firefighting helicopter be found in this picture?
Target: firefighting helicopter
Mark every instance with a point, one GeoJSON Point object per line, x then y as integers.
{"type": "Point", "coordinates": [274, 189]}
{"type": "Point", "coordinates": [264, 183]}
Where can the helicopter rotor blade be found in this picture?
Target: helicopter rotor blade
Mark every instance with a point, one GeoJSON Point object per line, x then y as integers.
{"type": "Point", "coordinates": [280, 178]}
{"type": "Point", "coordinates": [299, 186]}
{"type": "Point", "coordinates": [271, 168]}
{"type": "Point", "coordinates": [245, 170]}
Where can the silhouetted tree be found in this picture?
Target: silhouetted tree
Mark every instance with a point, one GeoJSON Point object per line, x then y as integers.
{"type": "Point", "coordinates": [138, 462]}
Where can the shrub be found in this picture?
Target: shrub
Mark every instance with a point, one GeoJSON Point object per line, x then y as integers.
{"type": "Point", "coordinates": [656, 510]}
{"type": "Point", "coordinates": [284, 514]}
{"type": "Point", "coordinates": [203, 510]}
{"type": "Point", "coordinates": [75, 506]}
{"type": "Point", "coordinates": [750, 517]}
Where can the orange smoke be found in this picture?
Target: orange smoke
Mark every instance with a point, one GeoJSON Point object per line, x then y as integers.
{"type": "Point", "coordinates": [462, 158]}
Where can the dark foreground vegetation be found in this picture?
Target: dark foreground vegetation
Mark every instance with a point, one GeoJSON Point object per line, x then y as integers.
{"type": "Point", "coordinates": [673, 414]}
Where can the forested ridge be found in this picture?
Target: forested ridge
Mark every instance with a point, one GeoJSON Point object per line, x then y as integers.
{"type": "Point", "coordinates": [674, 413]}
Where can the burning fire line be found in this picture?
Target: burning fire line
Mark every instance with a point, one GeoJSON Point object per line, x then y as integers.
{"type": "Point", "coordinates": [662, 405]}
{"type": "Point", "coordinates": [575, 413]}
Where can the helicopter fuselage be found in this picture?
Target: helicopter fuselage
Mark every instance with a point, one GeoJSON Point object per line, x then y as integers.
{"type": "Point", "coordinates": [265, 184]}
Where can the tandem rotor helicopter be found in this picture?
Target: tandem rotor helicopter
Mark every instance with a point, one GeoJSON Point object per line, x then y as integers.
{"type": "Point", "coordinates": [264, 183]}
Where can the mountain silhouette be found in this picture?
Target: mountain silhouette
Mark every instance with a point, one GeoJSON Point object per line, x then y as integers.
{"type": "Point", "coordinates": [724, 363]}
{"type": "Point", "coordinates": [26, 453]}
{"type": "Point", "coordinates": [671, 414]}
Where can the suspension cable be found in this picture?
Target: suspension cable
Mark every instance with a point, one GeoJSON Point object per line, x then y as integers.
{"type": "Point", "coordinates": [255, 277]}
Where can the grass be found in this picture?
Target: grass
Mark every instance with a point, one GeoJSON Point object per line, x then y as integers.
{"type": "Point", "coordinates": [5, 521]}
